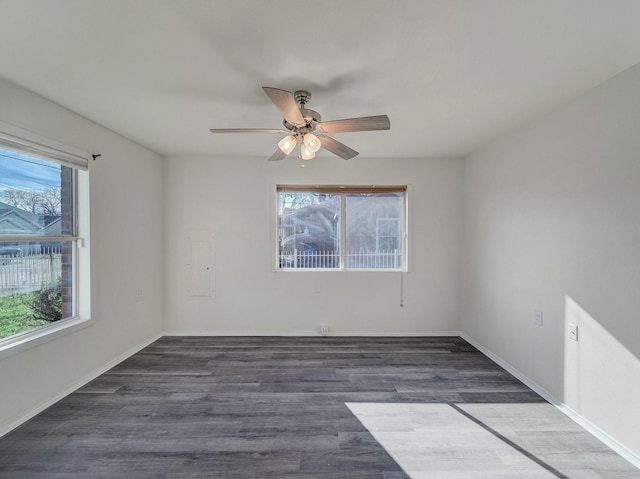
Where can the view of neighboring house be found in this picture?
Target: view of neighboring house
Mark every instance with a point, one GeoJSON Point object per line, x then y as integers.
{"type": "Point", "coordinates": [373, 232]}
{"type": "Point", "coordinates": [312, 227]}
{"type": "Point", "coordinates": [16, 221]}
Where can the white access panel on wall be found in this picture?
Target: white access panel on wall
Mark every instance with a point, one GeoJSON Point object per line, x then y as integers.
{"type": "Point", "coordinates": [200, 266]}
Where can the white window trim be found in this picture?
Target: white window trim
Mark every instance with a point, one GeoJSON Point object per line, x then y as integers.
{"type": "Point", "coordinates": [22, 141]}
{"type": "Point", "coordinates": [29, 339]}
{"type": "Point", "coordinates": [404, 234]}
{"type": "Point", "coordinates": [26, 142]}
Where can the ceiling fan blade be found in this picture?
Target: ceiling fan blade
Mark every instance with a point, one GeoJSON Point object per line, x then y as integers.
{"type": "Point", "coordinates": [337, 148]}
{"type": "Point", "coordinates": [278, 155]}
{"type": "Point", "coordinates": [248, 130]}
{"type": "Point", "coordinates": [364, 123]}
{"type": "Point", "coordinates": [287, 105]}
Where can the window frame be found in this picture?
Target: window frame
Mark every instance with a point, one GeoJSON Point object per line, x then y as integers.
{"type": "Point", "coordinates": [32, 145]}
{"type": "Point", "coordinates": [398, 228]}
{"type": "Point", "coordinates": [343, 191]}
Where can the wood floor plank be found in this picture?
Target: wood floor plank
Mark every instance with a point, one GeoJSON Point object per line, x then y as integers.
{"type": "Point", "coordinates": [253, 407]}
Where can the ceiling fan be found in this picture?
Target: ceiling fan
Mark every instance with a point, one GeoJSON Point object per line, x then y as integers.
{"type": "Point", "coordinates": [306, 128]}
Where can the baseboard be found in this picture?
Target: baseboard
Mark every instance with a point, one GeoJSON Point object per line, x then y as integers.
{"type": "Point", "coordinates": [566, 410]}
{"type": "Point", "coordinates": [86, 379]}
{"type": "Point", "coordinates": [314, 333]}
{"type": "Point", "coordinates": [513, 371]}
{"type": "Point", "coordinates": [600, 434]}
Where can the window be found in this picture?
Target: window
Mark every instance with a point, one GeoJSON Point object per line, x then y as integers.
{"type": "Point", "coordinates": [341, 227]}
{"type": "Point", "coordinates": [40, 232]}
{"type": "Point", "coordinates": [387, 234]}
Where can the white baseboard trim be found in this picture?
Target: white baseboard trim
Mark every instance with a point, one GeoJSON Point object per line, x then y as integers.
{"type": "Point", "coordinates": [566, 410]}
{"type": "Point", "coordinates": [513, 371]}
{"type": "Point", "coordinates": [313, 333]}
{"type": "Point", "coordinates": [600, 434]}
{"type": "Point", "coordinates": [86, 379]}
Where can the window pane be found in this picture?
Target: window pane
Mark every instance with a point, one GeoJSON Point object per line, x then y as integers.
{"type": "Point", "coordinates": [308, 230]}
{"type": "Point", "coordinates": [36, 196]}
{"type": "Point", "coordinates": [374, 230]}
{"type": "Point", "coordinates": [36, 276]}
{"type": "Point", "coordinates": [36, 284]}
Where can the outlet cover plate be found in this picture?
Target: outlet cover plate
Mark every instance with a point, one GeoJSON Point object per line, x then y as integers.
{"type": "Point", "coordinates": [572, 331]}
{"type": "Point", "coordinates": [537, 318]}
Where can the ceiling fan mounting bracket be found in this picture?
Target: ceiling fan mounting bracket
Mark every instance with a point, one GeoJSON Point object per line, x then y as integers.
{"type": "Point", "coordinates": [302, 97]}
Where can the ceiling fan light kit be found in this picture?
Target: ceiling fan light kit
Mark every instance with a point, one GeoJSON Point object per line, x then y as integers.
{"type": "Point", "coordinates": [306, 153]}
{"type": "Point", "coordinates": [287, 144]}
{"type": "Point", "coordinates": [311, 141]}
{"type": "Point", "coordinates": [301, 123]}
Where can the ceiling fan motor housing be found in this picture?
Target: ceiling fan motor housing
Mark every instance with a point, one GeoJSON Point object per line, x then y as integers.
{"type": "Point", "coordinates": [302, 97]}
{"type": "Point", "coordinates": [310, 117]}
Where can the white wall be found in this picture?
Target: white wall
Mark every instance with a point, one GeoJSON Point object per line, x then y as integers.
{"type": "Point", "coordinates": [232, 200]}
{"type": "Point", "coordinates": [126, 257]}
{"type": "Point", "coordinates": [552, 214]}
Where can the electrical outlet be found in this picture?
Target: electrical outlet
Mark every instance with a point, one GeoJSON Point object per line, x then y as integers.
{"type": "Point", "coordinates": [573, 331]}
{"type": "Point", "coordinates": [324, 330]}
{"type": "Point", "coordinates": [537, 318]}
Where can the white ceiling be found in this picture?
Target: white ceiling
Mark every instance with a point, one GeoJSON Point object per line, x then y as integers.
{"type": "Point", "coordinates": [451, 74]}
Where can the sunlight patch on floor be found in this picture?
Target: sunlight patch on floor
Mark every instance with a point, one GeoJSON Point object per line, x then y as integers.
{"type": "Point", "coordinates": [435, 440]}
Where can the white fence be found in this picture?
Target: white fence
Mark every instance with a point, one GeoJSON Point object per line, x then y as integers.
{"type": "Point", "coordinates": [352, 260]}
{"type": "Point", "coordinates": [21, 274]}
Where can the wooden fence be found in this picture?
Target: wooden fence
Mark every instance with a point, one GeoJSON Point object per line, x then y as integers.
{"type": "Point", "coordinates": [21, 274]}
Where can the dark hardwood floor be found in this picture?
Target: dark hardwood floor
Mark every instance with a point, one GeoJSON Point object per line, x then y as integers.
{"type": "Point", "coordinates": [189, 407]}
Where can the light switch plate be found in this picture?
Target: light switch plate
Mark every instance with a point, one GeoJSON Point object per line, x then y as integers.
{"type": "Point", "coordinates": [572, 331]}
{"type": "Point", "coordinates": [537, 318]}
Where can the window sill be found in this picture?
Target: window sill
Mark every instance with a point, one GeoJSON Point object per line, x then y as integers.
{"type": "Point", "coordinates": [28, 340]}
{"type": "Point", "coordinates": [338, 270]}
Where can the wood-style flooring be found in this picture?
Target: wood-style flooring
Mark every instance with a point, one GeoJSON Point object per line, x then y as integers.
{"type": "Point", "coordinates": [222, 407]}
